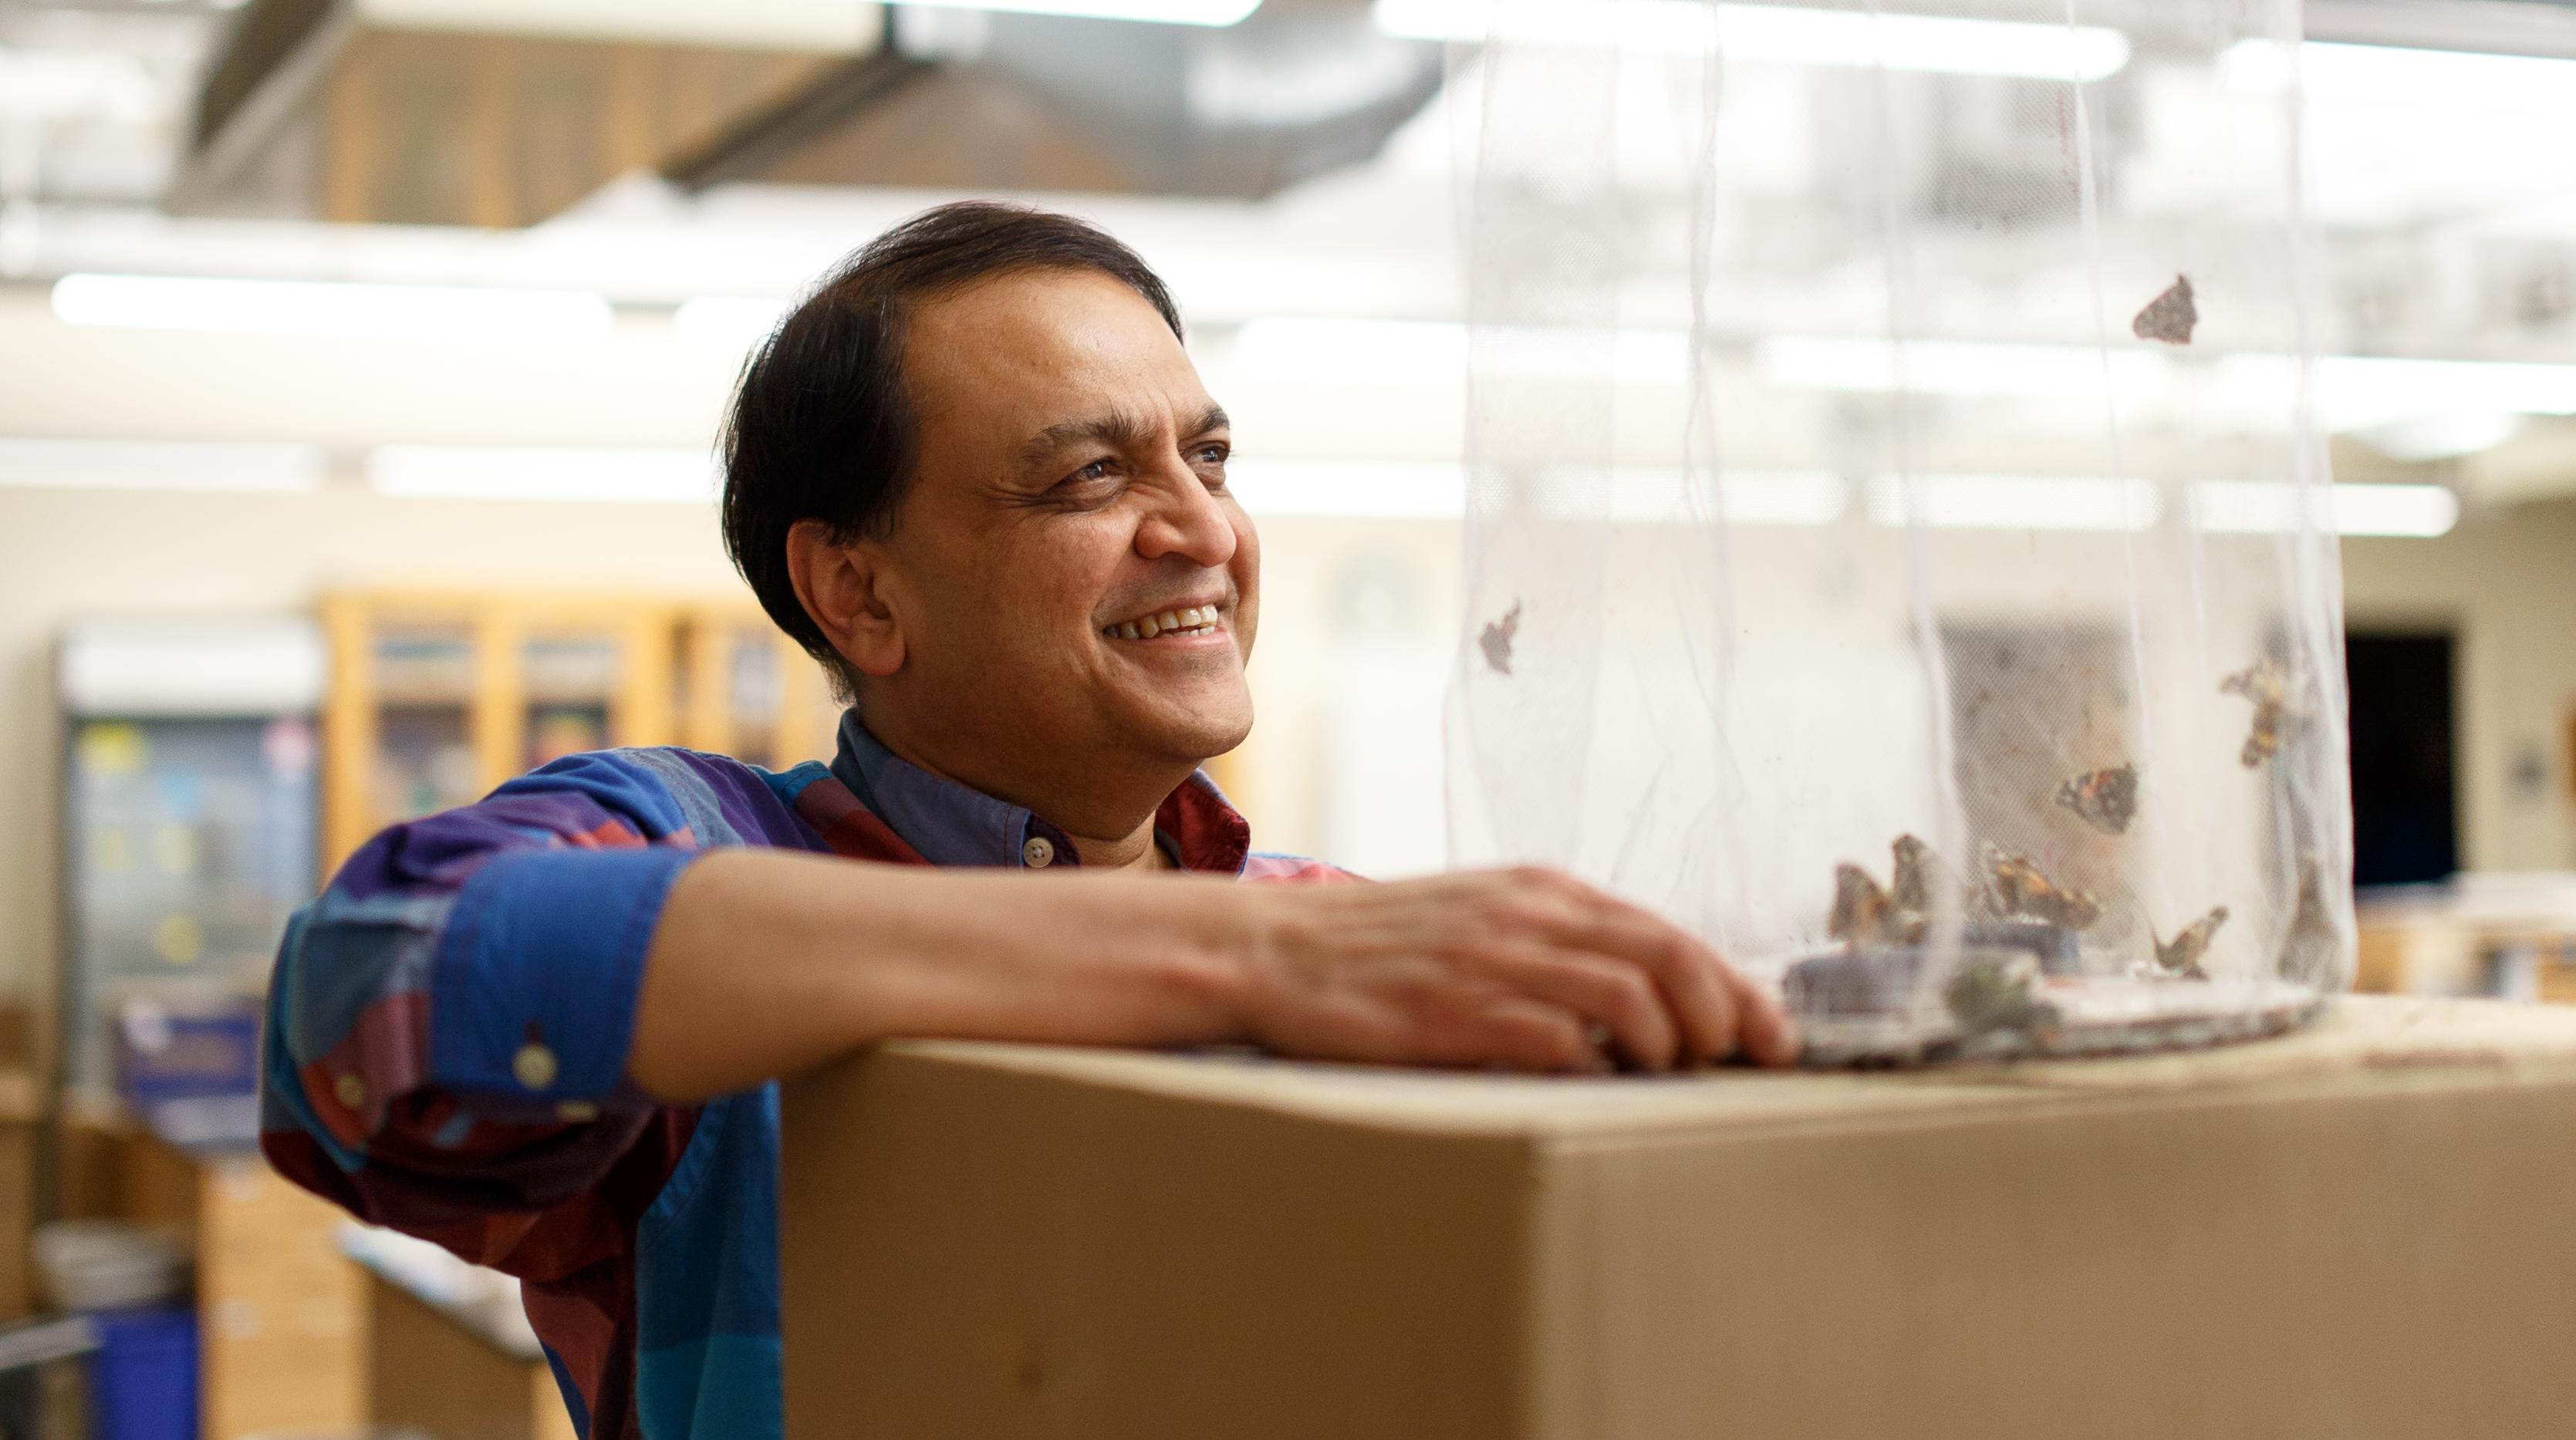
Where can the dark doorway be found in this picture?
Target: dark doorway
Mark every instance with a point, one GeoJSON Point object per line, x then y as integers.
{"type": "Point", "coordinates": [2405, 810]}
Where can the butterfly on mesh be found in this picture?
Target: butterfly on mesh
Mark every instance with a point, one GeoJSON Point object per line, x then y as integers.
{"type": "Point", "coordinates": [1862, 914]}
{"type": "Point", "coordinates": [2170, 316]}
{"type": "Point", "coordinates": [1496, 641]}
{"type": "Point", "coordinates": [2015, 886]}
{"type": "Point", "coordinates": [1866, 915]}
{"type": "Point", "coordinates": [2180, 956]}
{"type": "Point", "coordinates": [2278, 718]}
{"type": "Point", "coordinates": [1919, 874]}
{"type": "Point", "coordinates": [2107, 800]}
{"type": "Point", "coordinates": [2314, 948]}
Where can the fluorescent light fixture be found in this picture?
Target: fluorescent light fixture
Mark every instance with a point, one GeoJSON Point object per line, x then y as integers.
{"type": "Point", "coordinates": [1785, 34]}
{"type": "Point", "coordinates": [2271, 507]}
{"type": "Point", "coordinates": [1348, 490]}
{"type": "Point", "coordinates": [733, 323]}
{"type": "Point", "coordinates": [814, 26]}
{"type": "Point", "coordinates": [2446, 436]}
{"type": "Point", "coordinates": [190, 667]}
{"type": "Point", "coordinates": [328, 308]}
{"type": "Point", "coordinates": [242, 466]}
{"type": "Point", "coordinates": [1676, 497]}
{"type": "Point", "coordinates": [2401, 75]}
{"type": "Point", "coordinates": [829, 26]}
{"type": "Point", "coordinates": [668, 476]}
{"type": "Point", "coordinates": [1634, 495]}
{"type": "Point", "coordinates": [1939, 367]}
{"type": "Point", "coordinates": [2379, 385]}
{"type": "Point", "coordinates": [2354, 392]}
{"type": "Point", "coordinates": [52, 84]}
{"type": "Point", "coordinates": [1161, 12]}
{"type": "Point", "coordinates": [1354, 351]}
{"type": "Point", "coordinates": [1332, 351]}
{"type": "Point", "coordinates": [2015, 502]}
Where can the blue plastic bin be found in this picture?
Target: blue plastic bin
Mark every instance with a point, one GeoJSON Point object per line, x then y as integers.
{"type": "Point", "coordinates": [143, 1376]}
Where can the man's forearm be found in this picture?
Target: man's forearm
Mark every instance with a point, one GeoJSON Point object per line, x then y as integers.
{"type": "Point", "coordinates": [765, 963]}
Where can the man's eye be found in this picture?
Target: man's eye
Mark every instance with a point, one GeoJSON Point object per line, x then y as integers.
{"type": "Point", "coordinates": [1096, 470]}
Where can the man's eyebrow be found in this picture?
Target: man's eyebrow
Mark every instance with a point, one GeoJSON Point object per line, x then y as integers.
{"type": "Point", "coordinates": [1116, 429]}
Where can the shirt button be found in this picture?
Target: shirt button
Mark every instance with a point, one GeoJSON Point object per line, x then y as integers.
{"type": "Point", "coordinates": [534, 1066]}
{"type": "Point", "coordinates": [1039, 853]}
{"type": "Point", "coordinates": [350, 1091]}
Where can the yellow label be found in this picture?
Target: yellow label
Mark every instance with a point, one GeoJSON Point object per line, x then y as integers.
{"type": "Point", "coordinates": [175, 848]}
{"type": "Point", "coordinates": [113, 749]}
{"type": "Point", "coordinates": [179, 939]}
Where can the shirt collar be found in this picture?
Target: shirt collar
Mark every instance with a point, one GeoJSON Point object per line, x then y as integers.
{"type": "Point", "coordinates": [954, 824]}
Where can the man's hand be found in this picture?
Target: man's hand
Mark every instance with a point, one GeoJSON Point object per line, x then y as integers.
{"type": "Point", "coordinates": [766, 962]}
{"type": "Point", "coordinates": [1526, 969]}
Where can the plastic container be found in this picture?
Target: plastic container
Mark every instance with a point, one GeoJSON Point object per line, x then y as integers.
{"type": "Point", "coordinates": [170, 1051]}
{"type": "Point", "coordinates": [143, 1377]}
{"type": "Point", "coordinates": [1919, 554]}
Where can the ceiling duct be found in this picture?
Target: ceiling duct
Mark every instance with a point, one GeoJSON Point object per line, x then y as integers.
{"type": "Point", "coordinates": [994, 101]}
{"type": "Point", "coordinates": [503, 112]}
{"type": "Point", "coordinates": [488, 112]}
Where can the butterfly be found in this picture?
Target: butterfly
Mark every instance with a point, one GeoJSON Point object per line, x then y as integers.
{"type": "Point", "coordinates": [2180, 956]}
{"type": "Point", "coordinates": [2107, 800]}
{"type": "Point", "coordinates": [2016, 887]}
{"type": "Point", "coordinates": [1497, 639]}
{"type": "Point", "coordinates": [2276, 719]}
{"type": "Point", "coordinates": [2168, 317]}
{"type": "Point", "coordinates": [1861, 908]}
{"type": "Point", "coordinates": [1919, 875]}
{"type": "Point", "coordinates": [2313, 949]}
{"type": "Point", "coordinates": [1865, 915]}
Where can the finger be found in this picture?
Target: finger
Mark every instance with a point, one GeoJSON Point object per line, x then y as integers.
{"type": "Point", "coordinates": [1770, 1038]}
{"type": "Point", "coordinates": [1686, 973]}
{"type": "Point", "coordinates": [1620, 998]}
{"type": "Point", "coordinates": [1524, 1034]}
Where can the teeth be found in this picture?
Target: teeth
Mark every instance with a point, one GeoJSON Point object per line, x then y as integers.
{"type": "Point", "coordinates": [1196, 618]}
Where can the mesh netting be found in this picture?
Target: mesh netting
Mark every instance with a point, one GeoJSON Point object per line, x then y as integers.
{"type": "Point", "coordinates": [1897, 544]}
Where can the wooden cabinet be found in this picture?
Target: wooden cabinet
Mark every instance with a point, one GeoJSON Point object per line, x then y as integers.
{"type": "Point", "coordinates": [748, 691]}
{"type": "Point", "coordinates": [437, 698]}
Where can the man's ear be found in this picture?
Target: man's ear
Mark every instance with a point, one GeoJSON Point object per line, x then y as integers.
{"type": "Point", "coordinates": [841, 585]}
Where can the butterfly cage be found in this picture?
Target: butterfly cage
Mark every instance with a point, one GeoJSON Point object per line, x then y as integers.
{"type": "Point", "coordinates": [1898, 545]}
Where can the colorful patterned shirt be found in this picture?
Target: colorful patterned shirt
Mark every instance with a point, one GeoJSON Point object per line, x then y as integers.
{"type": "Point", "coordinates": [448, 1028]}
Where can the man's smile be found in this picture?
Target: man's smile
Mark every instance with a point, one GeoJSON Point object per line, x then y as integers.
{"type": "Point", "coordinates": [1183, 623]}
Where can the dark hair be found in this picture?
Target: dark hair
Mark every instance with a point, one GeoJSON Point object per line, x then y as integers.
{"type": "Point", "coordinates": [820, 427]}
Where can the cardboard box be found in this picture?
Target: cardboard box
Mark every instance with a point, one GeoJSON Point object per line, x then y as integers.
{"type": "Point", "coordinates": [2367, 1229]}
{"type": "Point", "coordinates": [433, 1373]}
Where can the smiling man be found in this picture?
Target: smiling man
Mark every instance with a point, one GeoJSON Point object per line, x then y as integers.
{"type": "Point", "coordinates": [977, 477]}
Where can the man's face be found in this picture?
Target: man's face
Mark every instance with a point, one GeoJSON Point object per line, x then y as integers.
{"type": "Point", "coordinates": [1068, 503]}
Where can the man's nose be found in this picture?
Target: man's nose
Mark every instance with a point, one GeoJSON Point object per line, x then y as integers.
{"type": "Point", "coordinates": [1188, 522]}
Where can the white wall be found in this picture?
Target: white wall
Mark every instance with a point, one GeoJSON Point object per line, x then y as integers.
{"type": "Point", "coordinates": [2506, 583]}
